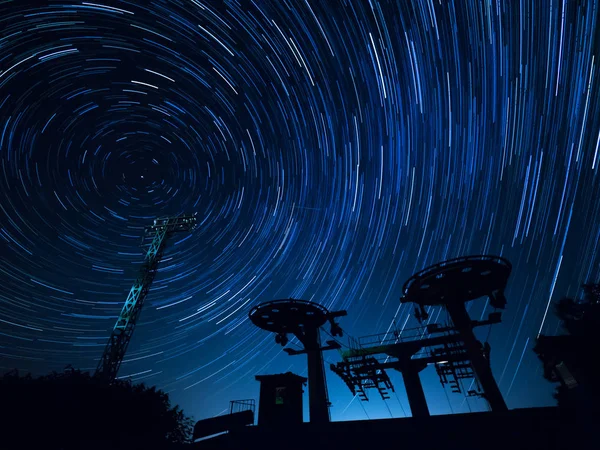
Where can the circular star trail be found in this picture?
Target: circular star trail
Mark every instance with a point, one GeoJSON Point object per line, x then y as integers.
{"type": "Point", "coordinates": [331, 150]}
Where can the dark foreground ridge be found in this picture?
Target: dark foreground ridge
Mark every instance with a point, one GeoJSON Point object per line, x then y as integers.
{"type": "Point", "coordinates": [531, 428]}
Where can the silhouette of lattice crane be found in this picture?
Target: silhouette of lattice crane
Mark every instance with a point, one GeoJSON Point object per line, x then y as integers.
{"type": "Point", "coordinates": [115, 349]}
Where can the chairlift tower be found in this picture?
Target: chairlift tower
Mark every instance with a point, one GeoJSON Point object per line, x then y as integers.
{"type": "Point", "coordinates": [115, 349]}
{"type": "Point", "coordinates": [303, 319]}
{"type": "Point", "coordinates": [454, 350]}
{"type": "Point", "coordinates": [451, 284]}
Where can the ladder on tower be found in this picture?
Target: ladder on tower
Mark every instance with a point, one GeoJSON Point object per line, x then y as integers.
{"type": "Point", "coordinates": [455, 367]}
{"type": "Point", "coordinates": [364, 372]}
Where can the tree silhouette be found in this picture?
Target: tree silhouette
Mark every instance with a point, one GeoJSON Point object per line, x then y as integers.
{"type": "Point", "coordinates": [73, 410]}
{"type": "Point", "coordinates": [581, 318]}
{"type": "Point", "coordinates": [571, 359]}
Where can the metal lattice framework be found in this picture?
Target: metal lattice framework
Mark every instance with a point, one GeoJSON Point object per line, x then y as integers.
{"type": "Point", "coordinates": [364, 365]}
{"type": "Point", "coordinates": [115, 349]}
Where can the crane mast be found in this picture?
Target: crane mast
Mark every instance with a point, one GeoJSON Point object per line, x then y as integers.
{"type": "Point", "coordinates": [115, 349]}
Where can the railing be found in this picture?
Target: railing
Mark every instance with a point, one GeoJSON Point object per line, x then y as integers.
{"type": "Point", "coordinates": [392, 337]}
{"type": "Point", "coordinates": [353, 342]}
{"type": "Point", "coordinates": [242, 405]}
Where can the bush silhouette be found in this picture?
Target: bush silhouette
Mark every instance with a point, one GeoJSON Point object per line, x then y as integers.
{"type": "Point", "coordinates": [73, 410]}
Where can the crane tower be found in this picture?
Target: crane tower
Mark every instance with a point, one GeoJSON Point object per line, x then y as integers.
{"type": "Point", "coordinates": [115, 349]}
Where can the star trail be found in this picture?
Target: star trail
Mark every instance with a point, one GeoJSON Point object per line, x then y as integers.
{"type": "Point", "coordinates": [330, 148]}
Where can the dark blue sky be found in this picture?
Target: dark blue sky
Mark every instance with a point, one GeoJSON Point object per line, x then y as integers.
{"type": "Point", "coordinates": [331, 149]}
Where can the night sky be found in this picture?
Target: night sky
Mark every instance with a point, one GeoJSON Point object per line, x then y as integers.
{"type": "Point", "coordinates": [330, 148]}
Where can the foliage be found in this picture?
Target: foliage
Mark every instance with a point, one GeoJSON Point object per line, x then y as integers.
{"type": "Point", "coordinates": [576, 350]}
{"type": "Point", "coordinates": [581, 317]}
{"type": "Point", "coordinates": [75, 410]}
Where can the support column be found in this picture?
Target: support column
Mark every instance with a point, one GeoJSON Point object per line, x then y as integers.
{"type": "Point", "coordinates": [414, 390]}
{"type": "Point", "coordinates": [481, 367]}
{"type": "Point", "coordinates": [317, 394]}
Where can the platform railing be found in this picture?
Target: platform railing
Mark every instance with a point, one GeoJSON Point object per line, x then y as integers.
{"type": "Point", "coordinates": [242, 405]}
{"type": "Point", "coordinates": [392, 337]}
